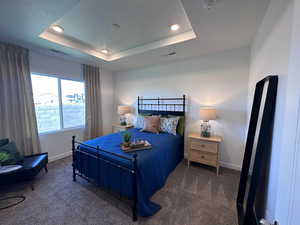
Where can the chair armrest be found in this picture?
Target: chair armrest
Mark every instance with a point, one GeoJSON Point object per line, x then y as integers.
{"type": "Point", "coordinates": [44, 153]}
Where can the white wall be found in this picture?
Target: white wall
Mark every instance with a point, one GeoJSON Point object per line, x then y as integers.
{"type": "Point", "coordinates": [288, 205]}
{"type": "Point", "coordinates": [277, 51]}
{"type": "Point", "coordinates": [271, 55]}
{"type": "Point", "coordinates": [58, 144]}
{"type": "Point", "coordinates": [219, 80]}
{"type": "Point", "coordinates": [288, 194]}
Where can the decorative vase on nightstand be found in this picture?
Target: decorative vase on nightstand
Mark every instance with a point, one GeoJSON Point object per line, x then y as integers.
{"type": "Point", "coordinates": [122, 122]}
{"type": "Point", "coordinates": [206, 115]}
{"type": "Point", "coordinates": [122, 111]}
{"type": "Point", "coordinates": [205, 129]}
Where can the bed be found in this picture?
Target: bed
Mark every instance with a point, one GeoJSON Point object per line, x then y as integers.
{"type": "Point", "coordinates": [138, 175]}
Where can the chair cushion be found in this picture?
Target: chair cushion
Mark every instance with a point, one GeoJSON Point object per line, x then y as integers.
{"type": "Point", "coordinates": [12, 153]}
{"type": "Point", "coordinates": [32, 165]}
{"type": "Point", "coordinates": [31, 162]}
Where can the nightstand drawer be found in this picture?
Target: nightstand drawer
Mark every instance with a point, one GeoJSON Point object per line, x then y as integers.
{"type": "Point", "coordinates": [204, 146]}
{"type": "Point", "coordinates": [203, 157]}
{"type": "Point", "coordinates": [204, 150]}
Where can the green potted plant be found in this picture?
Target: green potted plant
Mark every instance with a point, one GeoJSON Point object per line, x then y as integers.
{"type": "Point", "coordinates": [126, 139]}
{"type": "Point", "coordinates": [3, 157]}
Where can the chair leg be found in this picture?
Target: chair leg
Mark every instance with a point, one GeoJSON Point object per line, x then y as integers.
{"type": "Point", "coordinates": [32, 185]}
{"type": "Point", "coordinates": [46, 168]}
{"type": "Point", "coordinates": [74, 174]}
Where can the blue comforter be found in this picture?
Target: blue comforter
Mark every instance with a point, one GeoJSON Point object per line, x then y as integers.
{"type": "Point", "coordinates": [154, 166]}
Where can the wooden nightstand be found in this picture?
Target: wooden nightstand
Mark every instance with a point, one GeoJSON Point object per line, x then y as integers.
{"type": "Point", "coordinates": [117, 127]}
{"type": "Point", "coordinates": [204, 150]}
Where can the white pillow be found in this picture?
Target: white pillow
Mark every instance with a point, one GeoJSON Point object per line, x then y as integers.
{"type": "Point", "coordinates": [139, 122]}
{"type": "Point", "coordinates": [169, 125]}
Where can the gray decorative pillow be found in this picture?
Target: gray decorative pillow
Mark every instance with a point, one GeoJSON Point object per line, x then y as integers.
{"type": "Point", "coordinates": [169, 125]}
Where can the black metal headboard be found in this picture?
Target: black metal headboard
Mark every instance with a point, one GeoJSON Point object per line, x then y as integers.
{"type": "Point", "coordinates": [162, 106]}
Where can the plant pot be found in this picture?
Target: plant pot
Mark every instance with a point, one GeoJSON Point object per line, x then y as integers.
{"type": "Point", "coordinates": [126, 144]}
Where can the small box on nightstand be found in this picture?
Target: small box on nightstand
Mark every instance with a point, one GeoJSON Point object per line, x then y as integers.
{"type": "Point", "coordinates": [204, 150]}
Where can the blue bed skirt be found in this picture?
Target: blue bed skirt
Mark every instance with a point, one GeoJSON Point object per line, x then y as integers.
{"type": "Point", "coordinates": [153, 166]}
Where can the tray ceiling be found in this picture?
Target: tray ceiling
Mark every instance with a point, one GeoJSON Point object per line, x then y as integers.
{"type": "Point", "coordinates": [124, 27]}
{"type": "Point", "coordinates": [144, 37]}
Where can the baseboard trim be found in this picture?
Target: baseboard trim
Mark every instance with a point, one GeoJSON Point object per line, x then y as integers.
{"type": "Point", "coordinates": [222, 164]}
{"type": "Point", "coordinates": [231, 166]}
{"type": "Point", "coordinates": [60, 156]}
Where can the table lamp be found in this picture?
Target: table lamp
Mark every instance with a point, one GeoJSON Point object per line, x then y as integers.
{"type": "Point", "coordinates": [122, 111]}
{"type": "Point", "coordinates": [207, 114]}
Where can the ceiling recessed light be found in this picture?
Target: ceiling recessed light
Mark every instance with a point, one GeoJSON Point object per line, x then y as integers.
{"type": "Point", "coordinates": [57, 28]}
{"type": "Point", "coordinates": [174, 27]}
{"type": "Point", "coordinates": [104, 51]}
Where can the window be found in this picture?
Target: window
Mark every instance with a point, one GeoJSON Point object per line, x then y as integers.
{"type": "Point", "coordinates": [72, 94]}
{"type": "Point", "coordinates": [46, 101]}
{"type": "Point", "coordinates": [58, 103]}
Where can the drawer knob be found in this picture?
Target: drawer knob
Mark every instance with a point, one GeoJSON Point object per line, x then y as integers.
{"type": "Point", "coordinates": [203, 146]}
{"type": "Point", "coordinates": [202, 156]}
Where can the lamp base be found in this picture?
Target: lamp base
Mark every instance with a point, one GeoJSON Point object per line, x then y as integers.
{"type": "Point", "coordinates": [205, 129]}
{"type": "Point", "coordinates": [123, 120]}
{"type": "Point", "coordinates": [123, 123]}
{"type": "Point", "coordinates": [205, 134]}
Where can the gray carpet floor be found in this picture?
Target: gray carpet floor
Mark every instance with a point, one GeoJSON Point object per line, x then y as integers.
{"type": "Point", "coordinates": [191, 196]}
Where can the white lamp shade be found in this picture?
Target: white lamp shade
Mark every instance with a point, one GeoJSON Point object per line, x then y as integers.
{"type": "Point", "coordinates": [124, 109]}
{"type": "Point", "coordinates": [207, 114]}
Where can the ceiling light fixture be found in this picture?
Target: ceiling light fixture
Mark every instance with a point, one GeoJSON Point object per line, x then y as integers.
{"type": "Point", "coordinates": [174, 27]}
{"type": "Point", "coordinates": [169, 54]}
{"type": "Point", "coordinates": [116, 26]}
{"type": "Point", "coordinates": [104, 51]}
{"type": "Point", "coordinates": [57, 28]}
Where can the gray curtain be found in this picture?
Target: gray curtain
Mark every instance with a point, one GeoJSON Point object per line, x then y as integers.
{"type": "Point", "coordinates": [93, 122]}
{"type": "Point", "coordinates": [17, 113]}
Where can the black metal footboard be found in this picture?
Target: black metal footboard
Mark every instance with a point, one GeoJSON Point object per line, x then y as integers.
{"type": "Point", "coordinates": [114, 163]}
